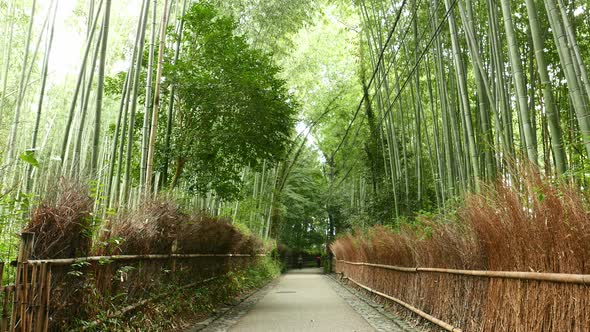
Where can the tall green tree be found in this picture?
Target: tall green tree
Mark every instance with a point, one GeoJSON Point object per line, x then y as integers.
{"type": "Point", "coordinates": [233, 111]}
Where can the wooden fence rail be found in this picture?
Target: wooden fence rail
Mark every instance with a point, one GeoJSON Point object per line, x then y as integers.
{"type": "Point", "coordinates": [538, 276]}
{"type": "Point", "coordinates": [70, 261]}
{"type": "Point", "coordinates": [24, 306]}
{"type": "Point", "coordinates": [413, 309]}
{"type": "Point", "coordinates": [364, 278]}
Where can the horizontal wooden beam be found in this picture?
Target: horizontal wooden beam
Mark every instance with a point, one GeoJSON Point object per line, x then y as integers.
{"type": "Point", "coordinates": [539, 276]}
{"type": "Point", "coordinates": [107, 259]}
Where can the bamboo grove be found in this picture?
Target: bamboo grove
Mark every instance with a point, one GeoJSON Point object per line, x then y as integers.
{"type": "Point", "coordinates": [129, 134]}
{"type": "Point", "coordinates": [296, 119]}
{"type": "Point", "coordinates": [458, 92]}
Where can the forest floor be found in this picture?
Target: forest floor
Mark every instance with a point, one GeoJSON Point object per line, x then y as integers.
{"type": "Point", "coordinates": [304, 300]}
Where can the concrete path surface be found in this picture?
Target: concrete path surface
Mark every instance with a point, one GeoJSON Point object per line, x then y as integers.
{"type": "Point", "coordinates": [304, 300]}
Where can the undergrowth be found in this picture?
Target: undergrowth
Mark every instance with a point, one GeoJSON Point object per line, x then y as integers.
{"type": "Point", "coordinates": [182, 308]}
{"type": "Point", "coordinates": [64, 227]}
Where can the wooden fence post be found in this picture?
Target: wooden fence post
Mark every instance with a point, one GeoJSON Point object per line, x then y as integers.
{"type": "Point", "coordinates": [173, 251]}
{"type": "Point", "coordinates": [47, 292]}
{"type": "Point", "coordinates": [3, 301]}
{"type": "Point", "coordinates": [19, 308]}
{"type": "Point", "coordinates": [30, 299]}
{"type": "Point", "coordinates": [40, 305]}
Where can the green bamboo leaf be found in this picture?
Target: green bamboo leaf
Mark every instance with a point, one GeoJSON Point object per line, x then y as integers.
{"type": "Point", "coordinates": [29, 158]}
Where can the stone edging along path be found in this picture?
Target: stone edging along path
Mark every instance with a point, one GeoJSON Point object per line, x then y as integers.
{"type": "Point", "coordinates": [370, 310]}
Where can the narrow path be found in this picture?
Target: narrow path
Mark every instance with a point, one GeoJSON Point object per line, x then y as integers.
{"type": "Point", "coordinates": [304, 300]}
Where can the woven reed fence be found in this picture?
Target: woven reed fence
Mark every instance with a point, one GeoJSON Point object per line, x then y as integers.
{"type": "Point", "coordinates": [6, 298]}
{"type": "Point", "coordinates": [473, 300]}
{"type": "Point", "coordinates": [28, 304]}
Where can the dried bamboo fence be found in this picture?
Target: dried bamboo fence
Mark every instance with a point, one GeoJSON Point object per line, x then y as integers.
{"type": "Point", "coordinates": [460, 291]}
{"type": "Point", "coordinates": [6, 298]}
{"type": "Point", "coordinates": [26, 305]}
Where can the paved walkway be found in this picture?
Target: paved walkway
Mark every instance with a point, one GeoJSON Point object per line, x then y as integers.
{"type": "Point", "coordinates": [304, 300]}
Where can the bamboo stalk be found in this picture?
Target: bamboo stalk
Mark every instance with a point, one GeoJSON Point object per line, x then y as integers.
{"type": "Point", "coordinates": [156, 105]}
{"type": "Point", "coordinates": [133, 96]}
{"type": "Point", "coordinates": [82, 69]}
{"type": "Point", "coordinates": [31, 307]}
{"type": "Point", "coordinates": [19, 101]}
{"type": "Point", "coordinates": [4, 290]}
{"type": "Point", "coordinates": [388, 267]}
{"type": "Point", "coordinates": [540, 276]}
{"type": "Point", "coordinates": [46, 304]}
{"type": "Point", "coordinates": [115, 195]}
{"type": "Point", "coordinates": [415, 310]}
{"type": "Point", "coordinates": [5, 318]}
{"type": "Point", "coordinates": [22, 307]}
{"type": "Point", "coordinates": [41, 291]}
{"type": "Point", "coordinates": [174, 248]}
{"type": "Point", "coordinates": [68, 261]}
{"type": "Point", "coordinates": [148, 99]}
{"type": "Point", "coordinates": [171, 98]}
{"type": "Point", "coordinates": [20, 284]}
{"type": "Point", "coordinates": [6, 60]}
{"type": "Point", "coordinates": [100, 89]}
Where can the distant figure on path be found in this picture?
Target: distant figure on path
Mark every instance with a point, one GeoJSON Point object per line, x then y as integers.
{"type": "Point", "coordinates": [318, 260]}
{"type": "Point", "coordinates": [299, 262]}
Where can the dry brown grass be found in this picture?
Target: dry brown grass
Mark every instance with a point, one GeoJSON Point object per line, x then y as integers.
{"type": "Point", "coordinates": [534, 225]}
{"type": "Point", "coordinates": [207, 235]}
{"type": "Point", "coordinates": [151, 228]}
{"type": "Point", "coordinates": [61, 223]}
{"type": "Point", "coordinates": [159, 227]}
{"type": "Point", "coordinates": [62, 230]}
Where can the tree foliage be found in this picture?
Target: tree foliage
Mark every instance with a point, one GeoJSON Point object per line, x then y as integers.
{"type": "Point", "coordinates": [302, 223]}
{"type": "Point", "coordinates": [271, 24]}
{"type": "Point", "coordinates": [233, 110]}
